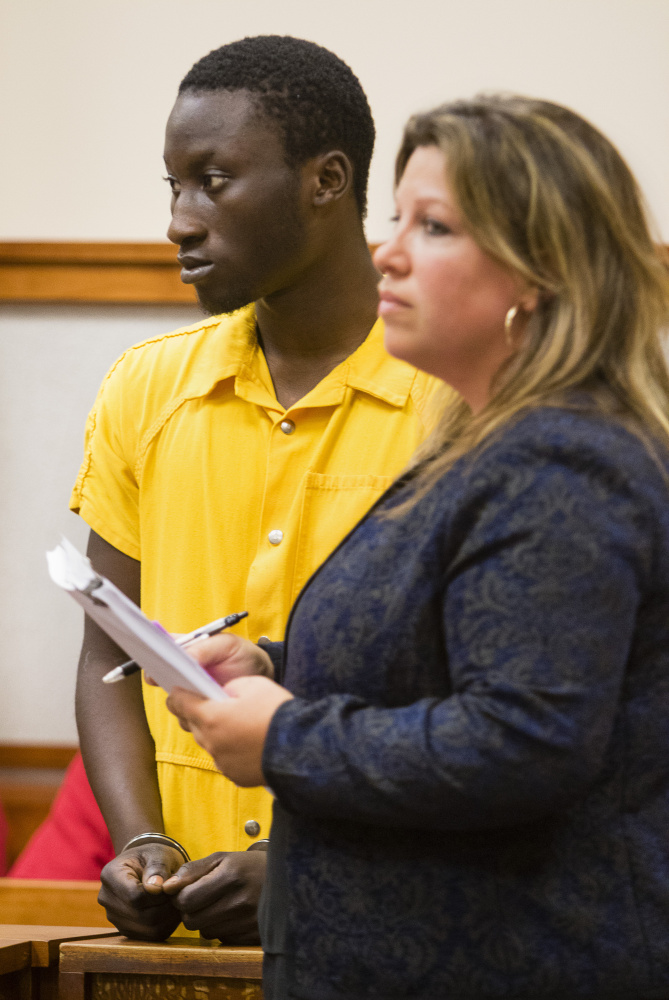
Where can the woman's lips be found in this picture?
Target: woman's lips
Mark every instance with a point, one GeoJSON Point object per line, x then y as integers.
{"type": "Point", "coordinates": [389, 304]}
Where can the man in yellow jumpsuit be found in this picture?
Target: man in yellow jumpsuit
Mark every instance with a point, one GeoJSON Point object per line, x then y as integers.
{"type": "Point", "coordinates": [225, 461]}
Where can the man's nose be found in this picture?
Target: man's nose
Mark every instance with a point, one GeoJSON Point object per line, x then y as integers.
{"type": "Point", "coordinates": [186, 223]}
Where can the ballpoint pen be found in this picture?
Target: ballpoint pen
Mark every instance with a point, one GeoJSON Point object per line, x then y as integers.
{"type": "Point", "coordinates": [126, 669]}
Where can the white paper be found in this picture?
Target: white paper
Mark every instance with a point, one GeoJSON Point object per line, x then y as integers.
{"type": "Point", "coordinates": [154, 650]}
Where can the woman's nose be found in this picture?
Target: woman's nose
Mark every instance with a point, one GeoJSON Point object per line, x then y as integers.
{"type": "Point", "coordinates": [391, 257]}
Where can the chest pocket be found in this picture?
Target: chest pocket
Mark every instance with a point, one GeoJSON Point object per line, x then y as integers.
{"type": "Point", "coordinates": [331, 506]}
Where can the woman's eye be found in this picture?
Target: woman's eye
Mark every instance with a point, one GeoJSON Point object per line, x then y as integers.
{"type": "Point", "coordinates": [435, 228]}
{"type": "Point", "coordinates": [213, 182]}
{"type": "Point", "coordinates": [173, 183]}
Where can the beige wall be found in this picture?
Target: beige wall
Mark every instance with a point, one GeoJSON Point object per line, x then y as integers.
{"type": "Point", "coordinates": [85, 87]}
{"type": "Point", "coordinates": [52, 360]}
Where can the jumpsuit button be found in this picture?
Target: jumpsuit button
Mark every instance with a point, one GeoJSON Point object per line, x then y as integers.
{"type": "Point", "coordinates": [275, 537]}
{"type": "Point", "coordinates": [252, 827]}
{"type": "Point", "coordinates": [287, 426]}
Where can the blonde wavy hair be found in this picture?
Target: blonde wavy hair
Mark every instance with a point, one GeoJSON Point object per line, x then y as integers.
{"type": "Point", "coordinates": [544, 192]}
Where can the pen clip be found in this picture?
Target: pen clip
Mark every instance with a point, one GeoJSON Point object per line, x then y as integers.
{"type": "Point", "coordinates": [88, 591]}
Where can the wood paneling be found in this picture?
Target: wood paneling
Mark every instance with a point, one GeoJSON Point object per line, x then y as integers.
{"type": "Point", "coordinates": [141, 273]}
{"type": "Point", "coordinates": [26, 806]}
{"type": "Point", "coordinates": [36, 756]}
{"type": "Point", "coordinates": [29, 779]}
{"type": "Point", "coordinates": [88, 253]}
{"type": "Point", "coordinates": [67, 904]}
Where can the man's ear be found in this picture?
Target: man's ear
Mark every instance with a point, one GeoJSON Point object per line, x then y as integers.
{"type": "Point", "coordinates": [332, 176]}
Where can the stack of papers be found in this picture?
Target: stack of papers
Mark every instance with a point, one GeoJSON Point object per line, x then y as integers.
{"type": "Point", "coordinates": [144, 641]}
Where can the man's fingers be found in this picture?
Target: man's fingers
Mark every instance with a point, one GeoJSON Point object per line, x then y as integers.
{"type": "Point", "coordinates": [148, 912]}
{"type": "Point", "coordinates": [156, 871]}
{"type": "Point", "coordinates": [139, 873]}
{"type": "Point", "coordinates": [155, 924]}
{"type": "Point", "coordinates": [239, 927]}
{"type": "Point", "coordinates": [237, 876]}
{"type": "Point", "coordinates": [214, 885]}
{"type": "Point", "coordinates": [191, 872]}
{"type": "Point", "coordinates": [122, 879]}
{"type": "Point", "coordinates": [130, 905]}
{"type": "Point", "coordinates": [223, 902]}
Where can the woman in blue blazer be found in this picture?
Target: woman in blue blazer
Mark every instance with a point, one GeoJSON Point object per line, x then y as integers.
{"type": "Point", "coordinates": [467, 732]}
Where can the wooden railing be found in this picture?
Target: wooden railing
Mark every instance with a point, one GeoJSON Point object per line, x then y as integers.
{"type": "Point", "coordinates": [77, 963]}
{"type": "Point", "coordinates": [34, 901]}
{"type": "Point", "coordinates": [181, 967]}
{"type": "Point", "coordinates": [29, 959]}
{"type": "Point", "coordinates": [142, 273]}
{"type": "Point", "coordinates": [29, 779]}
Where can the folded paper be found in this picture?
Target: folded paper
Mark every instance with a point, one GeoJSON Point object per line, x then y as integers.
{"type": "Point", "coordinates": [144, 641]}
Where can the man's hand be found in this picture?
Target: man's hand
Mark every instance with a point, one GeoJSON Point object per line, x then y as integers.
{"type": "Point", "coordinates": [132, 892]}
{"type": "Point", "coordinates": [218, 895]}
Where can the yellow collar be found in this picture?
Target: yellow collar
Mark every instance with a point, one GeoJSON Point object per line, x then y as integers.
{"type": "Point", "coordinates": [233, 352]}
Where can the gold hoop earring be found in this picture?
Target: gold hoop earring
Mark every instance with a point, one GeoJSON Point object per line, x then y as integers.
{"type": "Point", "coordinates": [508, 324]}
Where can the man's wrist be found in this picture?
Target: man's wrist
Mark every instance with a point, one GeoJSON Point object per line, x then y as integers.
{"type": "Point", "coordinates": [143, 839]}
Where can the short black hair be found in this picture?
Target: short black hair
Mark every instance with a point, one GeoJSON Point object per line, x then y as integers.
{"type": "Point", "coordinates": [313, 96]}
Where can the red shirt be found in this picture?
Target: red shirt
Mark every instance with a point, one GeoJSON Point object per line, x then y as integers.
{"type": "Point", "coordinates": [73, 841]}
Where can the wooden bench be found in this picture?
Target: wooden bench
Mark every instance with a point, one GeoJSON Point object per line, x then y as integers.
{"type": "Point", "coordinates": [29, 959]}
{"type": "Point", "coordinates": [63, 904]}
{"type": "Point", "coordinates": [29, 779]}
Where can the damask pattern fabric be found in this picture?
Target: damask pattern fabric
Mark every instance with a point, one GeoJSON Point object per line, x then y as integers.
{"type": "Point", "coordinates": [473, 782]}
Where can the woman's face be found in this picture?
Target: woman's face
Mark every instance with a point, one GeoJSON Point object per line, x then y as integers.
{"type": "Point", "coordinates": [444, 300]}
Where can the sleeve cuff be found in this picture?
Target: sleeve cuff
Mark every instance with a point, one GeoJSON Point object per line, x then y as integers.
{"type": "Point", "coordinates": [275, 652]}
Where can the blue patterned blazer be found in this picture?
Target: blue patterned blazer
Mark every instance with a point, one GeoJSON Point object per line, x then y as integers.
{"type": "Point", "coordinates": [472, 781]}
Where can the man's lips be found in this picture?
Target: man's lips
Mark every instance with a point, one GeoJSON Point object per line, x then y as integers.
{"type": "Point", "coordinates": [389, 303]}
{"type": "Point", "coordinates": [193, 269]}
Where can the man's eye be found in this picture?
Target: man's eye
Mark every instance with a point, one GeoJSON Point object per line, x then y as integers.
{"type": "Point", "coordinates": [213, 182]}
{"type": "Point", "coordinates": [173, 183]}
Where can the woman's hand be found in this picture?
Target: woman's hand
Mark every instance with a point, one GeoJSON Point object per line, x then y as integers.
{"type": "Point", "coordinates": [232, 731]}
{"type": "Point", "coordinates": [226, 656]}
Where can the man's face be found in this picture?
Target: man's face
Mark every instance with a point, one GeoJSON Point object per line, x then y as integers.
{"type": "Point", "coordinates": [236, 204]}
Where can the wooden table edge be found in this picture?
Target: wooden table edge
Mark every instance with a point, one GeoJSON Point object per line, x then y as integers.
{"type": "Point", "coordinates": [14, 956]}
{"type": "Point", "coordinates": [141, 957]}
